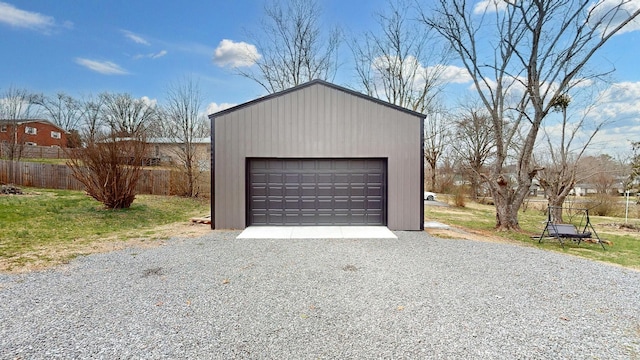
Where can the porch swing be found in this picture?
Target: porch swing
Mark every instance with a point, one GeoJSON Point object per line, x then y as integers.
{"type": "Point", "coordinates": [569, 231]}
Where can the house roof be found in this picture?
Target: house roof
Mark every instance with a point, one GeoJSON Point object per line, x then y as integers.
{"type": "Point", "coordinates": [317, 83]}
{"type": "Point", "coordinates": [28, 121]}
{"type": "Point", "coordinates": [168, 140]}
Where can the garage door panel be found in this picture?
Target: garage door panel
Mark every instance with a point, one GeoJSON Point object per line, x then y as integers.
{"type": "Point", "coordinates": [324, 191]}
{"type": "Point", "coordinates": [308, 204]}
{"type": "Point", "coordinates": [259, 218]}
{"type": "Point", "coordinates": [316, 192]}
{"type": "Point", "coordinates": [308, 178]}
{"type": "Point", "coordinates": [357, 203]}
{"type": "Point", "coordinates": [292, 191]}
{"type": "Point", "coordinates": [325, 204]}
{"type": "Point", "coordinates": [258, 190]}
{"type": "Point", "coordinates": [276, 191]}
{"type": "Point", "coordinates": [275, 218]}
{"type": "Point", "coordinates": [373, 204]}
{"type": "Point", "coordinates": [340, 204]}
{"type": "Point", "coordinates": [259, 204]}
{"type": "Point", "coordinates": [275, 178]}
{"type": "Point", "coordinates": [291, 178]}
{"type": "Point", "coordinates": [324, 178]}
{"type": "Point", "coordinates": [293, 204]}
{"type": "Point", "coordinates": [341, 179]}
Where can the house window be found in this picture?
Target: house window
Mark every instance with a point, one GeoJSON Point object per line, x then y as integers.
{"type": "Point", "coordinates": [31, 144]}
{"type": "Point", "coordinates": [30, 130]}
{"type": "Point", "coordinates": [55, 134]}
{"type": "Point", "coordinates": [3, 128]}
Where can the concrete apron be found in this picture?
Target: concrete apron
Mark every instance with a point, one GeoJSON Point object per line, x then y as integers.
{"type": "Point", "coordinates": [317, 232]}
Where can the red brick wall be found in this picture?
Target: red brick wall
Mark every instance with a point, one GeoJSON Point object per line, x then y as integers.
{"type": "Point", "coordinates": [43, 136]}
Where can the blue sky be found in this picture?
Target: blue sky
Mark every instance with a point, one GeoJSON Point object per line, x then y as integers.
{"type": "Point", "coordinates": [141, 46]}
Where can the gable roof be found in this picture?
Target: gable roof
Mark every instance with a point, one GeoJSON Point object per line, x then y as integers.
{"type": "Point", "coordinates": [317, 83]}
{"type": "Point", "coordinates": [29, 121]}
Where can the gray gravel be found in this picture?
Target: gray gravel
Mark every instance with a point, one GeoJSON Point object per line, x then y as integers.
{"type": "Point", "coordinates": [415, 297]}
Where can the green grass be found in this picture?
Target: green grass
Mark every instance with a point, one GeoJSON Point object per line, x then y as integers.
{"type": "Point", "coordinates": [45, 161]}
{"type": "Point", "coordinates": [625, 250]}
{"type": "Point", "coordinates": [44, 219]}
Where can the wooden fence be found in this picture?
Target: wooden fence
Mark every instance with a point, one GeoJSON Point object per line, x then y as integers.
{"type": "Point", "coordinates": [51, 176]}
{"type": "Point", "coordinates": [38, 152]}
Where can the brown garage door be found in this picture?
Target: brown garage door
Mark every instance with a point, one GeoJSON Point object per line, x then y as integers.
{"type": "Point", "coordinates": [316, 191]}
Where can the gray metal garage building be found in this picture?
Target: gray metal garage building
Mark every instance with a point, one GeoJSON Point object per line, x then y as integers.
{"type": "Point", "coordinates": [317, 154]}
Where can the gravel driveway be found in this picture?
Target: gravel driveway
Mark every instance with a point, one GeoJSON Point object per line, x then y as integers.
{"type": "Point", "coordinates": [415, 297]}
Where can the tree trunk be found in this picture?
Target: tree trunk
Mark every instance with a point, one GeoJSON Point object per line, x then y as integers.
{"type": "Point", "coordinates": [507, 202]}
{"type": "Point", "coordinates": [555, 203]}
{"type": "Point", "coordinates": [433, 178]}
{"type": "Point", "coordinates": [475, 185]}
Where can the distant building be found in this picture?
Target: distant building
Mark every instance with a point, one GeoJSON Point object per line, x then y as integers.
{"type": "Point", "coordinates": [583, 189]}
{"type": "Point", "coordinates": [32, 132]}
{"type": "Point", "coordinates": [170, 151]}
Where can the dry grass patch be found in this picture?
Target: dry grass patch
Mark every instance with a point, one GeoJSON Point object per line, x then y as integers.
{"type": "Point", "coordinates": [49, 227]}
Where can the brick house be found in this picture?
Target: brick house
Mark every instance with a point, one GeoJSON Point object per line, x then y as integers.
{"type": "Point", "coordinates": [34, 132]}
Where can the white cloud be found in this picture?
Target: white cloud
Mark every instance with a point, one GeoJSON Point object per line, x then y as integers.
{"type": "Point", "coordinates": [214, 108]}
{"type": "Point", "coordinates": [135, 38]}
{"type": "Point", "coordinates": [411, 65]}
{"type": "Point", "coordinates": [235, 54]}
{"type": "Point", "coordinates": [102, 67]}
{"type": "Point", "coordinates": [489, 6]}
{"type": "Point", "coordinates": [157, 55]}
{"type": "Point", "coordinates": [603, 12]}
{"type": "Point", "coordinates": [455, 74]}
{"type": "Point", "coordinates": [15, 17]}
{"type": "Point", "coordinates": [149, 102]}
{"type": "Point", "coordinates": [619, 107]}
{"type": "Point", "coordinates": [620, 101]}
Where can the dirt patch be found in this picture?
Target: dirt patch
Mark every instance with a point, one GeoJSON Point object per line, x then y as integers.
{"type": "Point", "coordinates": [475, 235]}
{"type": "Point", "coordinates": [43, 258]}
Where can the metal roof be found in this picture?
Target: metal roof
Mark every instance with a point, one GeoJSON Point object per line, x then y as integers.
{"type": "Point", "coordinates": [312, 83]}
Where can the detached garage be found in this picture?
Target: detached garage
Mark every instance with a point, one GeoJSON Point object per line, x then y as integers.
{"type": "Point", "coordinates": [317, 154]}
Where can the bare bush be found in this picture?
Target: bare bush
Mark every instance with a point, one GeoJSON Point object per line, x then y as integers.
{"type": "Point", "coordinates": [459, 196]}
{"type": "Point", "coordinates": [602, 205]}
{"type": "Point", "coordinates": [110, 169]}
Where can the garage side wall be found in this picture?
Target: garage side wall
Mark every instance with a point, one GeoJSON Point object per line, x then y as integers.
{"type": "Point", "coordinates": [318, 121]}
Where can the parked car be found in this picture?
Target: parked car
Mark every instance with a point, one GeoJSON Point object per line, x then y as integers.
{"type": "Point", "coordinates": [429, 196]}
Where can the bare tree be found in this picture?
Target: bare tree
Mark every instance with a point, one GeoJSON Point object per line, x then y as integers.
{"type": "Point", "coordinates": [185, 125]}
{"type": "Point", "coordinates": [293, 48]}
{"type": "Point", "coordinates": [400, 62]}
{"type": "Point", "coordinates": [115, 147]}
{"type": "Point", "coordinates": [92, 117]}
{"type": "Point", "coordinates": [15, 105]}
{"type": "Point", "coordinates": [436, 140]}
{"type": "Point", "coordinates": [537, 51]}
{"type": "Point", "coordinates": [128, 116]}
{"type": "Point", "coordinates": [601, 172]}
{"type": "Point", "coordinates": [558, 177]}
{"type": "Point", "coordinates": [473, 144]}
{"type": "Point", "coordinates": [61, 109]}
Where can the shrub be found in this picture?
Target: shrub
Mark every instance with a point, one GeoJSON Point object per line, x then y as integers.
{"type": "Point", "coordinates": [602, 205]}
{"type": "Point", "coordinates": [109, 169]}
{"type": "Point", "coordinates": [459, 196]}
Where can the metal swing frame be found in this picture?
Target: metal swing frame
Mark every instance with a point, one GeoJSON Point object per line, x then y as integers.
{"type": "Point", "coordinates": [569, 231]}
